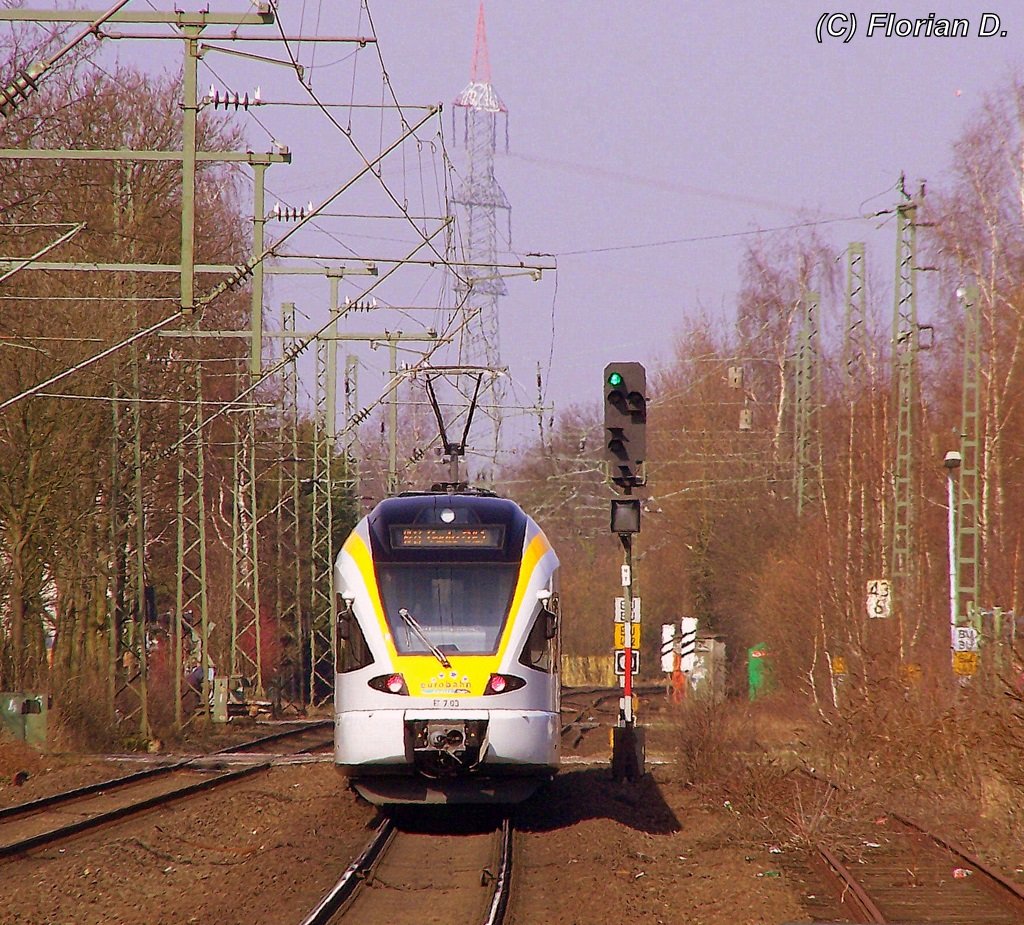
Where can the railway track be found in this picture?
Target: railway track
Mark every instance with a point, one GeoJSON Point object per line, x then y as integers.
{"type": "Point", "coordinates": [585, 709]}
{"type": "Point", "coordinates": [580, 708]}
{"type": "Point", "coordinates": [303, 739]}
{"type": "Point", "coordinates": [907, 874]}
{"type": "Point", "coordinates": [51, 819]}
{"type": "Point", "coordinates": [426, 868]}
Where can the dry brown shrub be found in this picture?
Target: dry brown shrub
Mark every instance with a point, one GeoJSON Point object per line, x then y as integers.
{"type": "Point", "coordinates": [949, 757]}
{"type": "Point", "coordinates": [705, 744]}
{"type": "Point", "coordinates": [747, 758]}
{"type": "Point", "coordinates": [888, 737]}
{"type": "Point", "coordinates": [79, 718]}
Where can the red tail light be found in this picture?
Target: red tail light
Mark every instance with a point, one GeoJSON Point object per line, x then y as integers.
{"type": "Point", "coordinates": [503, 683]}
{"type": "Point", "coordinates": [389, 684]}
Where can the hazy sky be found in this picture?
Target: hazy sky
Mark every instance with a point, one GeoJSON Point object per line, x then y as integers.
{"type": "Point", "coordinates": [630, 124]}
{"type": "Point", "coordinates": [643, 122]}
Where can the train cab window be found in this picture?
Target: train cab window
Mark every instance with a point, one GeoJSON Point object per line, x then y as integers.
{"type": "Point", "coordinates": [539, 651]}
{"type": "Point", "coordinates": [353, 652]}
{"type": "Point", "coordinates": [460, 608]}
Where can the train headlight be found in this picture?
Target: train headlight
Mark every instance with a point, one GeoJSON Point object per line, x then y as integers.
{"type": "Point", "coordinates": [503, 683]}
{"type": "Point", "coordinates": [389, 684]}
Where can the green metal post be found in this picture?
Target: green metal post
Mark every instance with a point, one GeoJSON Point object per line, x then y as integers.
{"type": "Point", "coordinates": [140, 546]}
{"type": "Point", "coordinates": [855, 307]}
{"type": "Point", "coordinates": [804, 405]}
{"type": "Point", "coordinates": [236, 542]}
{"type": "Point", "coordinates": [201, 537]}
{"type": "Point", "coordinates": [323, 616]}
{"type": "Point", "coordinates": [190, 109]}
{"type": "Point", "coordinates": [192, 577]}
{"type": "Point", "coordinates": [246, 638]}
{"type": "Point", "coordinates": [968, 536]}
{"type": "Point", "coordinates": [352, 446]}
{"type": "Point", "coordinates": [254, 547]}
{"type": "Point", "coordinates": [853, 362]}
{"type": "Point", "coordinates": [292, 389]}
{"type": "Point", "coordinates": [393, 418]}
{"type": "Point", "coordinates": [179, 629]}
{"type": "Point", "coordinates": [905, 335]}
{"type": "Point", "coordinates": [259, 222]}
{"type": "Point", "coordinates": [115, 547]}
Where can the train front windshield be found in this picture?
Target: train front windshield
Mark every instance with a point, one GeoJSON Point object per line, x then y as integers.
{"type": "Point", "coordinates": [459, 608]}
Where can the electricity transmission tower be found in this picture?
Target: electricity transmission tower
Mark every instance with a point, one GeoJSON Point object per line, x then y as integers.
{"type": "Point", "coordinates": [479, 284]}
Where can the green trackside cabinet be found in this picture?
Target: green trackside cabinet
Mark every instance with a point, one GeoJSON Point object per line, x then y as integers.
{"type": "Point", "coordinates": [759, 675]}
{"type": "Point", "coordinates": [23, 715]}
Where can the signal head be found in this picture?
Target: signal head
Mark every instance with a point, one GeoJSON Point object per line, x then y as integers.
{"type": "Point", "coordinates": [625, 421]}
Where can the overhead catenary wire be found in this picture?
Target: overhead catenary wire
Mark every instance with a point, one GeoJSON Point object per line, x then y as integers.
{"type": "Point", "coordinates": [347, 133]}
{"type": "Point", "coordinates": [706, 237]}
{"type": "Point", "coordinates": [67, 236]}
{"type": "Point", "coordinates": [86, 363]}
{"type": "Point", "coordinates": [290, 354]}
{"type": "Point", "coordinates": [25, 82]}
{"type": "Point", "coordinates": [274, 140]}
{"type": "Point", "coordinates": [240, 274]}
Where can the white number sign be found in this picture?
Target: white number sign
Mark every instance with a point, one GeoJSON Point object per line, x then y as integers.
{"type": "Point", "coordinates": [965, 639]}
{"type": "Point", "coordinates": [879, 599]}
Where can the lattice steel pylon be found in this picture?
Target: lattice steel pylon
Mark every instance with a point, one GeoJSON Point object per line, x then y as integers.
{"type": "Point", "coordinates": [128, 675]}
{"type": "Point", "coordinates": [967, 533]}
{"type": "Point", "coordinates": [323, 619]}
{"type": "Point", "coordinates": [855, 369]}
{"type": "Point", "coordinates": [246, 635]}
{"type": "Point", "coordinates": [905, 344]}
{"type": "Point", "coordinates": [481, 197]}
{"type": "Point", "coordinates": [806, 446]}
{"type": "Point", "coordinates": [350, 441]}
{"type": "Point", "coordinates": [286, 518]}
{"type": "Point", "coordinates": [191, 602]}
{"type": "Point", "coordinates": [855, 312]}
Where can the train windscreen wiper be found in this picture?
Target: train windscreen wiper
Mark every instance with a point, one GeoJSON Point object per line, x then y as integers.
{"type": "Point", "coordinates": [411, 622]}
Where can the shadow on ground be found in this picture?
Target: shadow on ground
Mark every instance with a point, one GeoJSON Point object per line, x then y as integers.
{"type": "Point", "coordinates": [590, 793]}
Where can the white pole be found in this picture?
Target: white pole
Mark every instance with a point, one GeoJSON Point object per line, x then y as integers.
{"type": "Point", "coordinates": [951, 520]}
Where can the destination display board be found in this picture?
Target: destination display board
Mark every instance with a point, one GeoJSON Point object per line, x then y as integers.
{"type": "Point", "coordinates": [479, 536]}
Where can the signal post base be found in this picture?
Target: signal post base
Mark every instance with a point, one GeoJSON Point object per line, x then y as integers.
{"type": "Point", "coordinates": [628, 752]}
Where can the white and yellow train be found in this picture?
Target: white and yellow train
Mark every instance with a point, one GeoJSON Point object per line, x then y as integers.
{"type": "Point", "coordinates": [447, 681]}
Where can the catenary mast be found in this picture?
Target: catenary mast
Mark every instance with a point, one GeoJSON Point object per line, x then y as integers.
{"type": "Point", "coordinates": [481, 199]}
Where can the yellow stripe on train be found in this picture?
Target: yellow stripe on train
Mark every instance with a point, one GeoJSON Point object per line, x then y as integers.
{"type": "Point", "coordinates": [468, 674]}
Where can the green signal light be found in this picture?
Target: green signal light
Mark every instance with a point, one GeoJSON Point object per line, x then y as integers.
{"type": "Point", "coordinates": [615, 379]}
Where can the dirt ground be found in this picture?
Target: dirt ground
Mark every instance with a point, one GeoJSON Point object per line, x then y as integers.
{"type": "Point", "coordinates": [264, 850]}
{"type": "Point", "coordinates": [597, 852]}
{"type": "Point", "coordinates": [589, 850]}
{"type": "Point", "coordinates": [261, 851]}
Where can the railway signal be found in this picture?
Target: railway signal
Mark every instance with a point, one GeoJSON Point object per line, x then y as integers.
{"type": "Point", "coordinates": [625, 422]}
{"type": "Point", "coordinates": [625, 515]}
